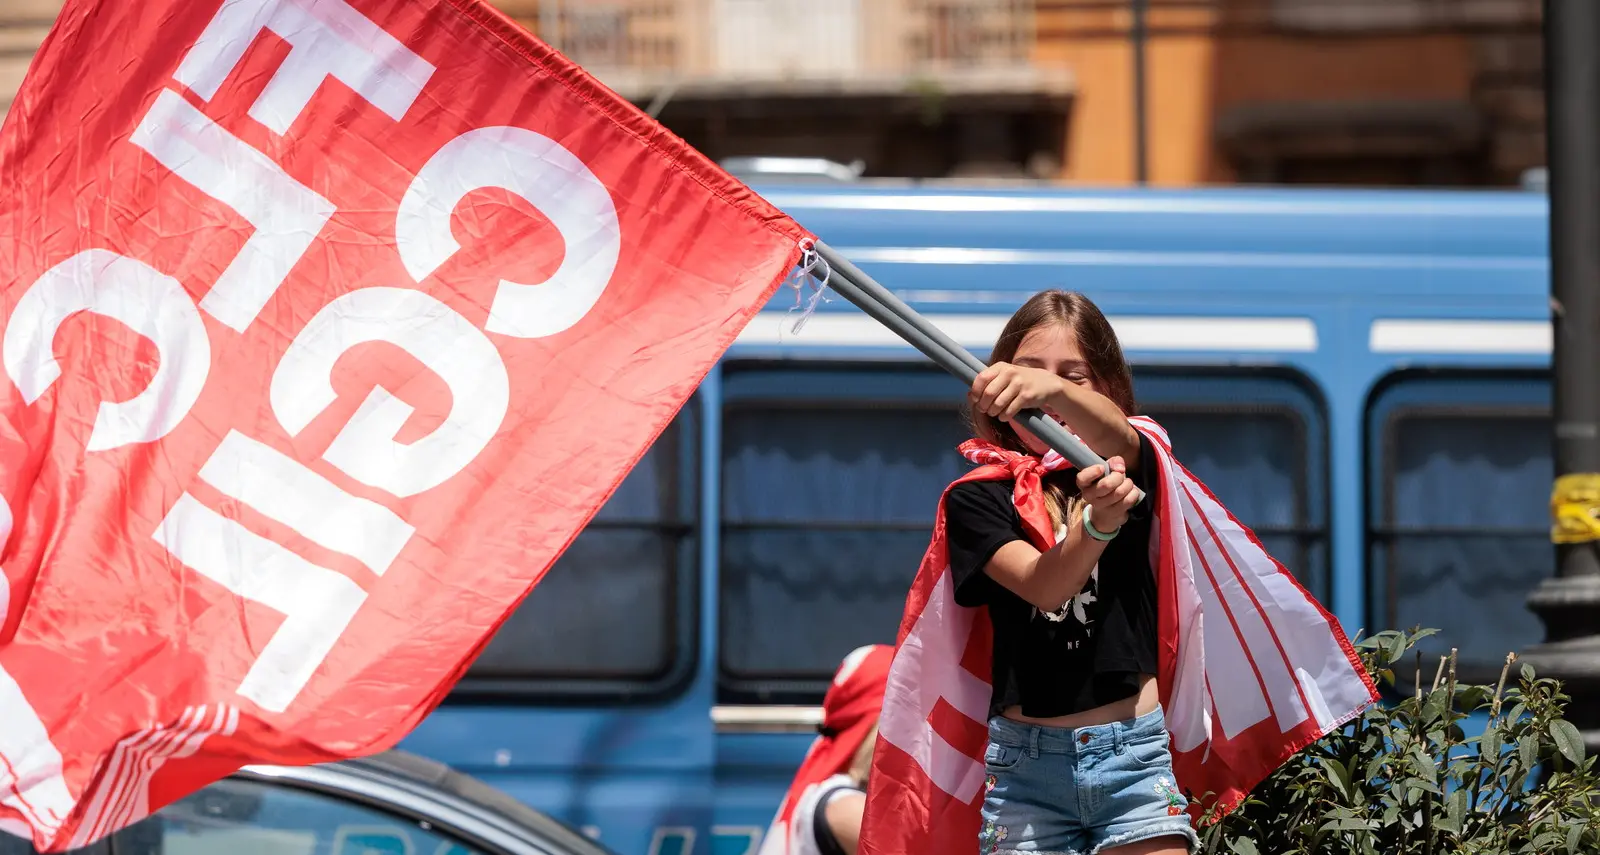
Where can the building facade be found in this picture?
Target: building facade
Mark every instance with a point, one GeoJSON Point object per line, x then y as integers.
{"type": "Point", "coordinates": [1365, 92]}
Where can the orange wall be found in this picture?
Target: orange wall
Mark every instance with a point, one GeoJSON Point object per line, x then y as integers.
{"type": "Point", "coordinates": [1192, 78]}
{"type": "Point", "coordinates": [1100, 146]}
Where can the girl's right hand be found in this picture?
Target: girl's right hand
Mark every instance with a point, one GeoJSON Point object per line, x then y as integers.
{"type": "Point", "coordinates": [1112, 494]}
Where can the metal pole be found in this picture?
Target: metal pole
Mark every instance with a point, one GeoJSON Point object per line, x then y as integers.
{"type": "Point", "coordinates": [1138, 35]}
{"type": "Point", "coordinates": [887, 309]}
{"type": "Point", "coordinates": [1569, 603]}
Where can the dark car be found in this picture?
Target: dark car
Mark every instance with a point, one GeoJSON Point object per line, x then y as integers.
{"type": "Point", "coordinates": [391, 804]}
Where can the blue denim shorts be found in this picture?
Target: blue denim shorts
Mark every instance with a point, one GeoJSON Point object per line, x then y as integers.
{"type": "Point", "coordinates": [1077, 791]}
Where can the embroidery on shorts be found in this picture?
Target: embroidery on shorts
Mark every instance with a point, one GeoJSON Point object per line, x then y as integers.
{"type": "Point", "coordinates": [989, 782]}
{"type": "Point", "coordinates": [991, 838]}
{"type": "Point", "coordinates": [1166, 790]}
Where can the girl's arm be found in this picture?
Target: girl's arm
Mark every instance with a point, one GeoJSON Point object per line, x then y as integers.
{"type": "Point", "coordinates": [1047, 580]}
{"type": "Point", "coordinates": [1097, 421]}
{"type": "Point", "coordinates": [843, 814]}
{"type": "Point", "coordinates": [1003, 390]}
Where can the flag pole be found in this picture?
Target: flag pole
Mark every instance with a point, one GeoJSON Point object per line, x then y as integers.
{"type": "Point", "coordinates": [887, 309]}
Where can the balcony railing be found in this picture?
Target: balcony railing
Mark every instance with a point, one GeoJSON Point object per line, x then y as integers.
{"type": "Point", "coordinates": [646, 44]}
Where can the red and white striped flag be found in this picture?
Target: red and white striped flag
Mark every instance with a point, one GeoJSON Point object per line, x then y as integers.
{"type": "Point", "coordinates": [1252, 668]}
{"type": "Point", "coordinates": [327, 325]}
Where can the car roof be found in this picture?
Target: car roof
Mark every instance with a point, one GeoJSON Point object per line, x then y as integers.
{"type": "Point", "coordinates": [435, 782]}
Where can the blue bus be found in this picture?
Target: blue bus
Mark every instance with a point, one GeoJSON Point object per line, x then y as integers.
{"type": "Point", "coordinates": [1362, 376]}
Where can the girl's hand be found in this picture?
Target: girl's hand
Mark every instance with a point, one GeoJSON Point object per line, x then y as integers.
{"type": "Point", "coordinates": [1112, 495]}
{"type": "Point", "coordinates": [1002, 390]}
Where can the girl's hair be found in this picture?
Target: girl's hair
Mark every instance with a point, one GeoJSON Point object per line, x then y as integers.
{"type": "Point", "coordinates": [861, 761]}
{"type": "Point", "coordinates": [1101, 350]}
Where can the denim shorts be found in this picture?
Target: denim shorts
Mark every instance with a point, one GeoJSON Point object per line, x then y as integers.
{"type": "Point", "coordinates": [1077, 791]}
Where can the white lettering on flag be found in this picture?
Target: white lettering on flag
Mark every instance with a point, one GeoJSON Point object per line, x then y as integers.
{"type": "Point", "coordinates": [317, 603]}
{"type": "Point", "coordinates": [549, 178]}
{"type": "Point", "coordinates": [444, 341]}
{"type": "Point", "coordinates": [6, 521]}
{"type": "Point", "coordinates": [327, 38]}
{"type": "Point", "coordinates": [284, 489]}
{"type": "Point", "coordinates": [30, 780]}
{"type": "Point", "coordinates": [134, 293]}
{"type": "Point", "coordinates": [286, 214]}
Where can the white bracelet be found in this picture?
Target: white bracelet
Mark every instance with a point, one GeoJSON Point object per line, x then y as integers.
{"type": "Point", "coordinates": [1097, 534]}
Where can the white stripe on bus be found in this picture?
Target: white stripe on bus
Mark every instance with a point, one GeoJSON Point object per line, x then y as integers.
{"type": "Point", "coordinates": [956, 255]}
{"type": "Point", "coordinates": [1499, 208]}
{"type": "Point", "coordinates": [978, 332]}
{"type": "Point", "coordinates": [1442, 336]}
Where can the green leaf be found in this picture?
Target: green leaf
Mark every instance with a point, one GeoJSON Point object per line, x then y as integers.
{"type": "Point", "coordinates": [1528, 672]}
{"type": "Point", "coordinates": [1490, 744]}
{"type": "Point", "coordinates": [1528, 751]}
{"type": "Point", "coordinates": [1346, 824]}
{"type": "Point", "coordinates": [1471, 697]}
{"type": "Point", "coordinates": [1243, 846]}
{"type": "Point", "coordinates": [1433, 706]}
{"type": "Point", "coordinates": [1339, 776]}
{"type": "Point", "coordinates": [1567, 739]}
{"type": "Point", "coordinates": [1574, 838]}
{"type": "Point", "coordinates": [1395, 648]}
{"type": "Point", "coordinates": [1456, 808]}
{"type": "Point", "coordinates": [1426, 768]}
{"type": "Point", "coordinates": [1421, 634]}
{"type": "Point", "coordinates": [1547, 841]}
{"type": "Point", "coordinates": [1426, 786]}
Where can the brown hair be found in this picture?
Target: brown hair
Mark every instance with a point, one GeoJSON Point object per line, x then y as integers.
{"type": "Point", "coordinates": [1101, 350]}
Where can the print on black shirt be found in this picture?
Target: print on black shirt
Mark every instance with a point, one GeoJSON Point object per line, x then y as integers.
{"type": "Point", "coordinates": [1095, 653]}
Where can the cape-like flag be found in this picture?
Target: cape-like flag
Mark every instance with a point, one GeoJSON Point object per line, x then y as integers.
{"type": "Point", "coordinates": [1252, 669]}
{"type": "Point", "coordinates": [327, 325]}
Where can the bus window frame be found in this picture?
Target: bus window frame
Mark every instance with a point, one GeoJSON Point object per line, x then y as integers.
{"type": "Point", "coordinates": [685, 579]}
{"type": "Point", "coordinates": [1309, 536]}
{"type": "Point", "coordinates": [1317, 489]}
{"type": "Point", "coordinates": [926, 395]}
{"type": "Point", "coordinates": [1290, 393]}
{"type": "Point", "coordinates": [1382, 422]}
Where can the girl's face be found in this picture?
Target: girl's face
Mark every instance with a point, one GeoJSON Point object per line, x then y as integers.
{"type": "Point", "coordinates": [1053, 348]}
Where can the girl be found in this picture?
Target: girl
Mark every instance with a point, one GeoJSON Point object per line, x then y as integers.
{"type": "Point", "coordinates": [1077, 760]}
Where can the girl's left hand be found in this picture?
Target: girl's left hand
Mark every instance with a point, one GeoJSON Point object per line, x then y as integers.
{"type": "Point", "coordinates": [1111, 494]}
{"type": "Point", "coordinates": [1002, 390]}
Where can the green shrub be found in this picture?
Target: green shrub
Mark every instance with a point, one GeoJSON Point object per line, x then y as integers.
{"type": "Point", "coordinates": [1403, 779]}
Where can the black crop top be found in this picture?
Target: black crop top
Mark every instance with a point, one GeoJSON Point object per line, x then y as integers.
{"type": "Point", "coordinates": [1095, 655]}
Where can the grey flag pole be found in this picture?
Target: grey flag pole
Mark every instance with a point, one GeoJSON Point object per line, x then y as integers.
{"type": "Point", "coordinates": [887, 309]}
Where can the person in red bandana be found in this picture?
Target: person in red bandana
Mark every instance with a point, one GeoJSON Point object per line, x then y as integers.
{"type": "Point", "coordinates": [821, 815]}
{"type": "Point", "coordinates": [1078, 756]}
{"type": "Point", "coordinates": [1090, 661]}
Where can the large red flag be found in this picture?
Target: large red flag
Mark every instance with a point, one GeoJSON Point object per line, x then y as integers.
{"type": "Point", "coordinates": [327, 325]}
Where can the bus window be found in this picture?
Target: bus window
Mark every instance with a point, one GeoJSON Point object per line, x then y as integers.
{"type": "Point", "coordinates": [830, 482]}
{"type": "Point", "coordinates": [1459, 527]}
{"type": "Point", "coordinates": [1260, 444]}
{"type": "Point", "coordinates": [634, 562]}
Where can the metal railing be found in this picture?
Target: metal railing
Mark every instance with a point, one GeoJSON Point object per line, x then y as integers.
{"type": "Point", "coordinates": [649, 43]}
